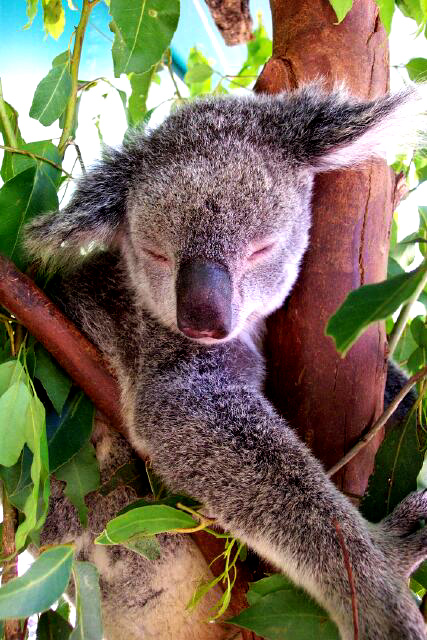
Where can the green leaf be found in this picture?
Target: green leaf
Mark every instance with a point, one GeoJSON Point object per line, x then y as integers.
{"type": "Point", "coordinates": [369, 304]}
{"type": "Point", "coordinates": [140, 84]}
{"type": "Point", "coordinates": [63, 608]}
{"type": "Point", "coordinates": [420, 575]}
{"type": "Point", "coordinates": [417, 69]}
{"type": "Point", "coordinates": [88, 605]}
{"type": "Point", "coordinates": [271, 584]}
{"type": "Point", "coordinates": [386, 8]}
{"type": "Point", "coordinates": [14, 416]}
{"type": "Point", "coordinates": [10, 372]}
{"type": "Point", "coordinates": [21, 198]}
{"type": "Point", "coordinates": [411, 9]}
{"type": "Point", "coordinates": [287, 613]}
{"type": "Point", "coordinates": [198, 73]}
{"type": "Point", "coordinates": [416, 360]}
{"type": "Point", "coordinates": [53, 17]}
{"type": "Point", "coordinates": [419, 331]}
{"type": "Point", "coordinates": [147, 547]}
{"type": "Point", "coordinates": [146, 521]}
{"type": "Point", "coordinates": [61, 58]}
{"type": "Point", "coordinates": [55, 381]}
{"type": "Point", "coordinates": [196, 59]}
{"type": "Point", "coordinates": [40, 586]}
{"type": "Point", "coordinates": [341, 8]}
{"type": "Point", "coordinates": [31, 12]}
{"type": "Point", "coordinates": [36, 505]}
{"type": "Point", "coordinates": [51, 95]}
{"type": "Point", "coordinates": [68, 432]}
{"type": "Point", "coordinates": [397, 464]}
{"type": "Point", "coordinates": [45, 149]}
{"type": "Point", "coordinates": [81, 474]}
{"type": "Point", "coordinates": [6, 167]}
{"type": "Point", "coordinates": [52, 626]}
{"type": "Point", "coordinates": [405, 347]}
{"type": "Point", "coordinates": [142, 30]}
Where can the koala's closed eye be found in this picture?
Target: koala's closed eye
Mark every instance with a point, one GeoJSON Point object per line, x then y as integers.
{"type": "Point", "coordinates": [156, 256]}
{"type": "Point", "coordinates": [262, 251]}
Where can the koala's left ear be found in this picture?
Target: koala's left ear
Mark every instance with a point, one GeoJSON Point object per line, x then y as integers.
{"type": "Point", "coordinates": [94, 214]}
{"type": "Point", "coordinates": [332, 130]}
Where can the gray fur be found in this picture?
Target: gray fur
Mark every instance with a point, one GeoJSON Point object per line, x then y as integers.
{"type": "Point", "coordinates": [220, 180]}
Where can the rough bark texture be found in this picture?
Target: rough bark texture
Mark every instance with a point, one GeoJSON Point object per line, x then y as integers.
{"type": "Point", "coordinates": [233, 19]}
{"type": "Point", "coordinates": [332, 400]}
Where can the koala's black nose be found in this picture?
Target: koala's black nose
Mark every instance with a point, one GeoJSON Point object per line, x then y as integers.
{"type": "Point", "coordinates": [203, 299]}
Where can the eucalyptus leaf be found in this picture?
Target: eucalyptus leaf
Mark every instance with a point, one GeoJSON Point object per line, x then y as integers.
{"type": "Point", "coordinates": [287, 613]}
{"type": "Point", "coordinates": [140, 84]}
{"type": "Point", "coordinates": [417, 69]}
{"type": "Point", "coordinates": [53, 17]}
{"type": "Point", "coordinates": [56, 382]}
{"type": "Point", "coordinates": [14, 417]}
{"type": "Point", "coordinates": [147, 520]}
{"type": "Point", "coordinates": [52, 626]}
{"type": "Point", "coordinates": [10, 372]}
{"type": "Point", "coordinates": [40, 586]}
{"type": "Point", "coordinates": [21, 198]}
{"type": "Point", "coordinates": [386, 8]}
{"type": "Point", "coordinates": [419, 330]}
{"type": "Point", "coordinates": [397, 465]}
{"type": "Point", "coordinates": [142, 31]}
{"type": "Point", "coordinates": [261, 588]}
{"type": "Point", "coordinates": [31, 12]}
{"type": "Point", "coordinates": [341, 8]}
{"type": "Point", "coordinates": [88, 602]}
{"type": "Point", "coordinates": [51, 95]}
{"type": "Point", "coordinates": [68, 432]}
{"type": "Point", "coordinates": [197, 59]}
{"type": "Point", "coordinates": [81, 475]}
{"type": "Point", "coordinates": [147, 547]}
{"type": "Point", "coordinates": [198, 73]}
{"type": "Point", "coordinates": [45, 149]}
{"type": "Point", "coordinates": [6, 167]}
{"type": "Point", "coordinates": [369, 304]}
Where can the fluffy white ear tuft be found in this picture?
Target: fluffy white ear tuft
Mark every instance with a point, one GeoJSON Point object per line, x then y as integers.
{"type": "Point", "coordinates": [385, 127]}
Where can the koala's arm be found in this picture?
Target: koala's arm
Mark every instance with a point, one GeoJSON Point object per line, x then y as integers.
{"type": "Point", "coordinates": [230, 450]}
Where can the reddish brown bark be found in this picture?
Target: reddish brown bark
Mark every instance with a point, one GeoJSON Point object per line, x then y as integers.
{"type": "Point", "coordinates": [329, 399]}
{"type": "Point", "coordinates": [233, 19]}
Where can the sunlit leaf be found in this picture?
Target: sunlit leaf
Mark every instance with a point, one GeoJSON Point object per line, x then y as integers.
{"type": "Point", "coordinates": [45, 149]}
{"type": "Point", "coordinates": [6, 167]}
{"type": "Point", "coordinates": [53, 17]}
{"type": "Point", "coordinates": [31, 12]}
{"type": "Point", "coordinates": [14, 406]}
{"type": "Point", "coordinates": [147, 520]}
{"type": "Point", "coordinates": [40, 586]}
{"type": "Point", "coordinates": [81, 475]}
{"type": "Point", "coordinates": [88, 605]}
{"type": "Point", "coordinates": [197, 59]}
{"type": "Point", "coordinates": [198, 73]}
{"type": "Point", "coordinates": [386, 8]}
{"type": "Point", "coordinates": [51, 95]}
{"type": "Point", "coordinates": [369, 304]}
{"type": "Point", "coordinates": [417, 69]}
{"type": "Point", "coordinates": [142, 31]}
{"type": "Point", "coordinates": [341, 8]}
{"type": "Point", "coordinates": [140, 84]}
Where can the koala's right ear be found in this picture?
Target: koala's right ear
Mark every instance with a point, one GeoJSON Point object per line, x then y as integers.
{"type": "Point", "coordinates": [93, 216]}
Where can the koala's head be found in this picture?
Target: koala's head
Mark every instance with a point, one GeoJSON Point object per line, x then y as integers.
{"type": "Point", "coordinates": [212, 210]}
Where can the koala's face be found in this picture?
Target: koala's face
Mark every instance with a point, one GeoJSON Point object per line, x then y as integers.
{"type": "Point", "coordinates": [214, 240]}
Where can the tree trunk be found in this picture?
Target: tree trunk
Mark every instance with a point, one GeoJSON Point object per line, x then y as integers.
{"type": "Point", "coordinates": [328, 399]}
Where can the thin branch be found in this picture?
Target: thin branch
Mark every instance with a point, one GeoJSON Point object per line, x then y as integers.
{"type": "Point", "coordinates": [74, 70]}
{"type": "Point", "coordinates": [169, 66]}
{"type": "Point", "coordinates": [12, 628]}
{"type": "Point", "coordinates": [349, 570]}
{"type": "Point", "coordinates": [36, 156]}
{"type": "Point", "coordinates": [9, 134]}
{"type": "Point", "coordinates": [379, 423]}
{"type": "Point", "coordinates": [79, 156]}
{"type": "Point", "coordinates": [400, 325]}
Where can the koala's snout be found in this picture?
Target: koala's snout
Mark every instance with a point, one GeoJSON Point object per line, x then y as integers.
{"type": "Point", "coordinates": [203, 300]}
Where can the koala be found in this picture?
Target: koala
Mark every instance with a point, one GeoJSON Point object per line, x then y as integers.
{"type": "Point", "coordinates": [171, 253]}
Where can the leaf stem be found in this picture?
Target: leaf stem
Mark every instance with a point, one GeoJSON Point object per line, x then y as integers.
{"type": "Point", "coordinates": [9, 135]}
{"type": "Point", "coordinates": [401, 321]}
{"type": "Point", "coordinates": [36, 156]}
{"type": "Point", "coordinates": [169, 66]}
{"type": "Point", "coordinates": [379, 423]}
{"type": "Point", "coordinates": [74, 71]}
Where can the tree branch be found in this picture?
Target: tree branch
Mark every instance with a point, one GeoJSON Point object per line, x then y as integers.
{"type": "Point", "coordinates": [233, 19]}
{"type": "Point", "coordinates": [36, 156]}
{"type": "Point", "coordinates": [379, 423]}
{"type": "Point", "coordinates": [74, 70]}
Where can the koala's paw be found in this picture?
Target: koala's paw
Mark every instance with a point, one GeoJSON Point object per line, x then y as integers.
{"type": "Point", "coordinates": [403, 544]}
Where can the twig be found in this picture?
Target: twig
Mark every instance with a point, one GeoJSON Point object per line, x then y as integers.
{"type": "Point", "coordinates": [74, 71]}
{"type": "Point", "coordinates": [400, 325]}
{"type": "Point", "coordinates": [349, 570]}
{"type": "Point", "coordinates": [9, 134]}
{"type": "Point", "coordinates": [379, 423]}
{"type": "Point", "coordinates": [169, 66]}
{"type": "Point", "coordinates": [12, 628]}
{"type": "Point", "coordinates": [36, 156]}
{"type": "Point", "coordinates": [79, 156]}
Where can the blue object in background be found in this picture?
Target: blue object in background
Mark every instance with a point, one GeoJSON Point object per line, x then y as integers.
{"type": "Point", "coordinates": [32, 50]}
